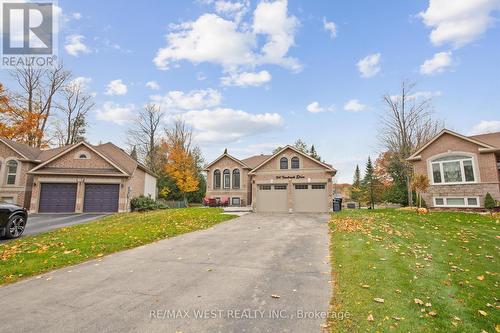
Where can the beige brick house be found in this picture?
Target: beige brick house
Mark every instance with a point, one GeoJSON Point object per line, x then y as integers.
{"type": "Point", "coordinates": [288, 181]}
{"type": "Point", "coordinates": [461, 169]}
{"type": "Point", "coordinates": [76, 178]}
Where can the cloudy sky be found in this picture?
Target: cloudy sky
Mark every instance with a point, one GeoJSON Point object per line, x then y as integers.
{"type": "Point", "coordinates": [252, 75]}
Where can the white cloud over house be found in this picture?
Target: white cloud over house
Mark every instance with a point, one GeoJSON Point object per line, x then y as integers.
{"type": "Point", "coordinates": [315, 107]}
{"type": "Point", "coordinates": [177, 101]}
{"type": "Point", "coordinates": [116, 87]}
{"type": "Point", "coordinates": [226, 124]}
{"type": "Point", "coordinates": [246, 79]}
{"type": "Point", "coordinates": [75, 45]}
{"type": "Point", "coordinates": [369, 66]}
{"type": "Point", "coordinates": [485, 126]}
{"type": "Point", "coordinates": [459, 22]}
{"type": "Point", "coordinates": [81, 81]}
{"type": "Point", "coordinates": [437, 64]}
{"type": "Point", "coordinates": [354, 105]}
{"type": "Point", "coordinates": [118, 114]}
{"type": "Point", "coordinates": [266, 39]}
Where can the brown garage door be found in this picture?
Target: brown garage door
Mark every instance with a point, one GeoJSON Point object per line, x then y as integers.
{"type": "Point", "coordinates": [101, 198]}
{"type": "Point", "coordinates": [57, 198]}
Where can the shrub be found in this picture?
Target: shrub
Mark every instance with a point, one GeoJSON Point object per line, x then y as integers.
{"type": "Point", "coordinates": [142, 204]}
{"type": "Point", "coordinates": [489, 202]}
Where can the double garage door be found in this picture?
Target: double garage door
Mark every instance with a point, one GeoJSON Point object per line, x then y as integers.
{"type": "Point", "coordinates": [61, 198]}
{"type": "Point", "coordinates": [310, 198]}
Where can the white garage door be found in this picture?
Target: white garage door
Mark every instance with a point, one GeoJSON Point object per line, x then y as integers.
{"type": "Point", "coordinates": [272, 198]}
{"type": "Point", "coordinates": [310, 198]}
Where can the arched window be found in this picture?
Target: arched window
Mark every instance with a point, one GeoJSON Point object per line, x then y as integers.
{"type": "Point", "coordinates": [295, 162]}
{"type": "Point", "coordinates": [453, 169]}
{"type": "Point", "coordinates": [11, 172]}
{"type": "Point", "coordinates": [83, 156]}
{"type": "Point", "coordinates": [217, 179]}
{"type": "Point", "coordinates": [236, 178]}
{"type": "Point", "coordinates": [227, 178]}
{"type": "Point", "coordinates": [284, 163]}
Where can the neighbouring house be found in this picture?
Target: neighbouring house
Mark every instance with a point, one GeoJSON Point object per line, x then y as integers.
{"type": "Point", "coordinates": [287, 181]}
{"type": "Point", "coordinates": [461, 169]}
{"type": "Point", "coordinates": [75, 178]}
{"type": "Point", "coordinates": [342, 191]}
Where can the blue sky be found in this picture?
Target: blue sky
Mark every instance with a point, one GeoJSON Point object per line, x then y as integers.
{"type": "Point", "coordinates": [252, 75]}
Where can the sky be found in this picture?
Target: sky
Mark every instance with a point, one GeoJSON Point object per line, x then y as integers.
{"type": "Point", "coordinates": [253, 75]}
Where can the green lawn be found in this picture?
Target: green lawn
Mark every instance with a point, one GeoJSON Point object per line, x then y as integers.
{"type": "Point", "coordinates": [400, 271]}
{"type": "Point", "coordinates": [71, 245]}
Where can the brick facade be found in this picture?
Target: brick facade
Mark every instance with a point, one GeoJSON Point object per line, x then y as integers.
{"type": "Point", "coordinates": [485, 169]}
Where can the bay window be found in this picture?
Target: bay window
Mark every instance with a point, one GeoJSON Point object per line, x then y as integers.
{"type": "Point", "coordinates": [453, 169]}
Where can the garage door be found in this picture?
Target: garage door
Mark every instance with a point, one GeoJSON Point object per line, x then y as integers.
{"type": "Point", "coordinates": [310, 198]}
{"type": "Point", "coordinates": [57, 198]}
{"type": "Point", "coordinates": [272, 198]}
{"type": "Point", "coordinates": [101, 198]}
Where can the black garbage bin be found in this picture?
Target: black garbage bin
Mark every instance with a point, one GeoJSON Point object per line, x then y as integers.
{"type": "Point", "coordinates": [337, 204]}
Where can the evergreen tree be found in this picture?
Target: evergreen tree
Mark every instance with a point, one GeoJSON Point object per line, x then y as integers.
{"type": "Point", "coordinates": [356, 186]}
{"type": "Point", "coordinates": [133, 153]}
{"type": "Point", "coordinates": [314, 154]}
{"type": "Point", "coordinates": [370, 184]}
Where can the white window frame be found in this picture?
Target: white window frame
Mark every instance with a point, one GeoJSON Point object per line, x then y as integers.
{"type": "Point", "coordinates": [466, 203]}
{"type": "Point", "coordinates": [239, 201]}
{"type": "Point", "coordinates": [7, 173]}
{"type": "Point", "coordinates": [471, 157]}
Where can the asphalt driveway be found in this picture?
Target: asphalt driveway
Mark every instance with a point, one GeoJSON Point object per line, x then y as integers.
{"type": "Point", "coordinates": [38, 223]}
{"type": "Point", "coordinates": [216, 280]}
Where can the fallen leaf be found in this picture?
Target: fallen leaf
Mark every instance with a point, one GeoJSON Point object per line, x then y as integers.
{"type": "Point", "coordinates": [482, 313]}
{"type": "Point", "coordinates": [480, 277]}
{"type": "Point", "coordinates": [365, 286]}
{"type": "Point", "coordinates": [418, 301]}
{"type": "Point", "coordinates": [275, 296]}
{"type": "Point", "coordinates": [433, 313]}
{"type": "Point", "coordinates": [370, 317]}
{"type": "Point", "coordinates": [379, 300]}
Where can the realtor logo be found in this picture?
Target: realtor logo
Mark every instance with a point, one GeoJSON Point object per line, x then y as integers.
{"type": "Point", "coordinates": [28, 33]}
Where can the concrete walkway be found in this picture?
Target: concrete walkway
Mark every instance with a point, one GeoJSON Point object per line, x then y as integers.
{"type": "Point", "coordinates": [217, 280]}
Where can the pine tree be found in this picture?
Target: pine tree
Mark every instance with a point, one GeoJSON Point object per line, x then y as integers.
{"type": "Point", "coordinates": [356, 186]}
{"type": "Point", "coordinates": [133, 153]}
{"type": "Point", "coordinates": [314, 154]}
{"type": "Point", "coordinates": [370, 184]}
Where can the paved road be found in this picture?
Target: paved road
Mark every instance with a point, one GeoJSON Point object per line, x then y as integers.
{"type": "Point", "coordinates": [234, 266]}
{"type": "Point", "coordinates": [38, 223]}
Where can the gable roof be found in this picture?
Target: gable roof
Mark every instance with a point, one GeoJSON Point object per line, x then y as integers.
{"type": "Point", "coordinates": [254, 161]}
{"type": "Point", "coordinates": [27, 152]}
{"type": "Point", "coordinates": [326, 166]}
{"type": "Point", "coordinates": [472, 139]}
{"type": "Point", "coordinates": [230, 157]}
{"type": "Point", "coordinates": [71, 147]}
{"type": "Point", "coordinates": [492, 139]}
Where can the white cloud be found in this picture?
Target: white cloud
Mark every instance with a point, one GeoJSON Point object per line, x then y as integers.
{"type": "Point", "coordinates": [224, 124]}
{"type": "Point", "coordinates": [418, 95]}
{"type": "Point", "coordinates": [75, 45]}
{"type": "Point", "coordinates": [354, 106]}
{"type": "Point", "coordinates": [331, 27]}
{"type": "Point", "coordinates": [236, 9]}
{"type": "Point", "coordinates": [314, 107]}
{"type": "Point", "coordinates": [214, 39]}
{"type": "Point", "coordinates": [369, 66]}
{"type": "Point", "coordinates": [81, 81]}
{"type": "Point", "coordinates": [116, 87]}
{"type": "Point", "coordinates": [246, 79]}
{"type": "Point", "coordinates": [486, 126]}
{"type": "Point", "coordinates": [177, 101]}
{"type": "Point", "coordinates": [458, 22]}
{"type": "Point", "coordinates": [118, 114]}
{"type": "Point", "coordinates": [438, 64]}
{"type": "Point", "coordinates": [153, 85]}
{"type": "Point", "coordinates": [77, 15]}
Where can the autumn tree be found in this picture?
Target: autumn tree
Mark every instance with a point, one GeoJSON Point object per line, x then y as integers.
{"type": "Point", "coordinates": [406, 126]}
{"type": "Point", "coordinates": [145, 136]}
{"type": "Point", "coordinates": [181, 168]}
{"type": "Point", "coordinates": [420, 184]}
{"type": "Point", "coordinates": [74, 107]}
{"type": "Point", "coordinates": [35, 99]}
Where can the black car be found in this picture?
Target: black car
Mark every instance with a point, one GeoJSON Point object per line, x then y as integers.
{"type": "Point", "coordinates": [13, 220]}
